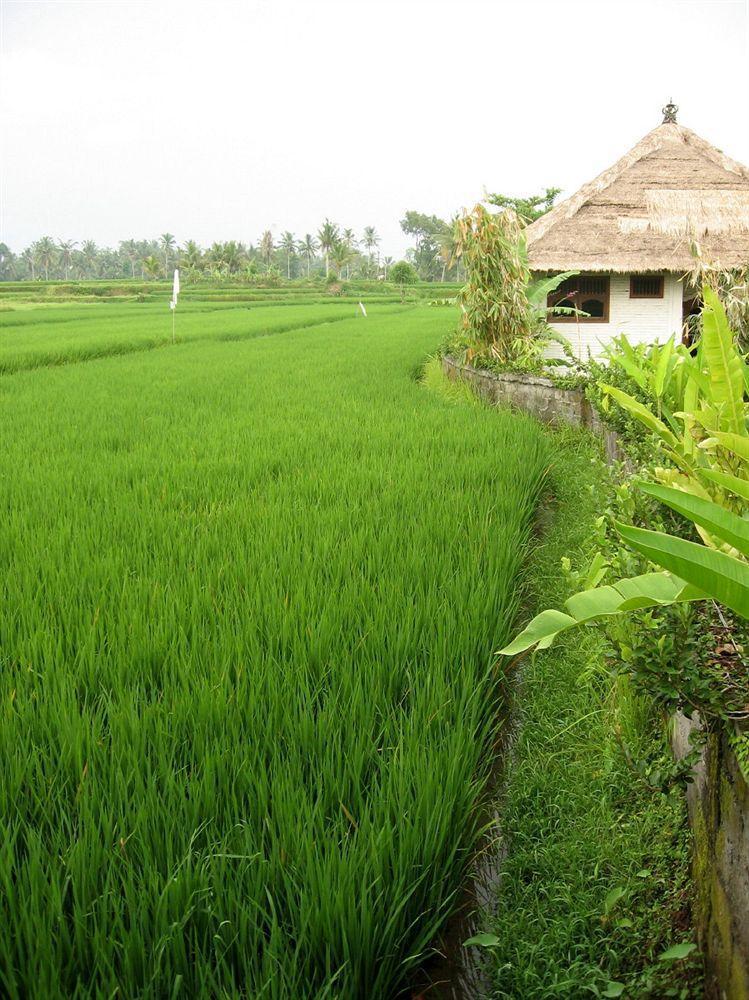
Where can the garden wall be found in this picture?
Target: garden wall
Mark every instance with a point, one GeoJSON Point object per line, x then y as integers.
{"type": "Point", "coordinates": [718, 798]}
{"type": "Point", "coordinates": [538, 396]}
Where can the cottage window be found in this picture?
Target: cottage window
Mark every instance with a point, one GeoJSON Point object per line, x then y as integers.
{"type": "Point", "coordinates": [646, 286]}
{"type": "Point", "coordinates": [588, 293]}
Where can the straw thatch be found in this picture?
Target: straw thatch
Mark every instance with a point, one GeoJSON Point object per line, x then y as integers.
{"type": "Point", "coordinates": [672, 189]}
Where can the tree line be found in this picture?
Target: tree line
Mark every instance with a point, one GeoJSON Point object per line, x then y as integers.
{"type": "Point", "coordinates": [331, 251]}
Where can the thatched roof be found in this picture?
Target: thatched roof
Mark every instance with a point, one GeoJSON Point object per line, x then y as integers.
{"type": "Point", "coordinates": [671, 189]}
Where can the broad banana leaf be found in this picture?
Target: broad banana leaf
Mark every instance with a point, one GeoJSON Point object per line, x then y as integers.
{"type": "Point", "coordinates": [716, 519]}
{"type": "Point", "coordinates": [724, 363]}
{"type": "Point", "coordinates": [720, 576]}
{"type": "Point", "coordinates": [647, 591]}
{"type": "Point", "coordinates": [728, 482]}
{"type": "Point", "coordinates": [642, 413]}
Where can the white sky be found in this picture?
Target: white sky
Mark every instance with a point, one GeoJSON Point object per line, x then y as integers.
{"type": "Point", "coordinates": [215, 120]}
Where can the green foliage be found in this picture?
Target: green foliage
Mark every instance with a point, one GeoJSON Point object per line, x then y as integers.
{"type": "Point", "coordinates": [403, 274]}
{"type": "Point", "coordinates": [528, 209]}
{"type": "Point", "coordinates": [229, 765]}
{"type": "Point", "coordinates": [497, 316]}
{"type": "Point", "coordinates": [706, 443]}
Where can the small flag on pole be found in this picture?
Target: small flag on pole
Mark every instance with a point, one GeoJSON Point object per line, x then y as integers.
{"type": "Point", "coordinates": [173, 303]}
{"type": "Point", "coordinates": [364, 311]}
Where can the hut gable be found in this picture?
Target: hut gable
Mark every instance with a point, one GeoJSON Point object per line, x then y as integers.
{"type": "Point", "coordinates": [643, 213]}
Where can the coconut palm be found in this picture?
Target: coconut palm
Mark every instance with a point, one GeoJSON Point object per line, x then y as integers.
{"type": "Point", "coordinates": [46, 251]}
{"type": "Point", "coordinates": [308, 247]}
{"type": "Point", "coordinates": [387, 262]}
{"type": "Point", "coordinates": [152, 266]}
{"type": "Point", "coordinates": [28, 256]}
{"type": "Point", "coordinates": [90, 257]}
{"type": "Point", "coordinates": [371, 240]}
{"type": "Point", "coordinates": [232, 256]}
{"type": "Point", "coordinates": [267, 247]}
{"type": "Point", "coordinates": [192, 255]}
{"type": "Point", "coordinates": [168, 243]}
{"type": "Point", "coordinates": [130, 250]}
{"type": "Point", "coordinates": [66, 248]}
{"type": "Point", "coordinates": [328, 237]}
{"type": "Point", "coordinates": [341, 255]}
{"type": "Point", "coordinates": [288, 245]}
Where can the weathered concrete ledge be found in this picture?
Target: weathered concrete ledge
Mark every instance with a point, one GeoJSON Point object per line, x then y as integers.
{"type": "Point", "coordinates": [538, 396]}
{"type": "Point", "coordinates": [718, 801]}
{"type": "Point", "coordinates": [718, 798]}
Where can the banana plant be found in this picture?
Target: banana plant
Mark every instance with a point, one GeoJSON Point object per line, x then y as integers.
{"type": "Point", "coordinates": [707, 482]}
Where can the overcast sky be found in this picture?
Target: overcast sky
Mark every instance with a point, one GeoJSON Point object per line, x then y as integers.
{"type": "Point", "coordinates": [215, 120]}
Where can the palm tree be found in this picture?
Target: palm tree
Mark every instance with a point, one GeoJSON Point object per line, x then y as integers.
{"type": "Point", "coordinates": [328, 237]}
{"type": "Point", "coordinates": [232, 256]}
{"type": "Point", "coordinates": [341, 255]}
{"type": "Point", "coordinates": [288, 245]}
{"type": "Point", "coordinates": [66, 255]}
{"type": "Point", "coordinates": [308, 247]}
{"type": "Point", "coordinates": [152, 266]}
{"type": "Point", "coordinates": [267, 247]}
{"type": "Point", "coordinates": [90, 256]}
{"type": "Point", "coordinates": [167, 243]}
{"type": "Point", "coordinates": [45, 254]}
{"type": "Point", "coordinates": [371, 240]}
{"type": "Point", "coordinates": [388, 262]}
{"type": "Point", "coordinates": [350, 240]}
{"type": "Point", "coordinates": [447, 240]}
{"type": "Point", "coordinates": [130, 249]}
{"type": "Point", "coordinates": [28, 256]}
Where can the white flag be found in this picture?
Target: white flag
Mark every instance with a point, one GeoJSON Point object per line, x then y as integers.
{"type": "Point", "coordinates": [175, 286]}
{"type": "Point", "coordinates": [364, 311]}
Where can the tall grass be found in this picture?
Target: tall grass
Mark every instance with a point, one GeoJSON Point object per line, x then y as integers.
{"type": "Point", "coordinates": [250, 592]}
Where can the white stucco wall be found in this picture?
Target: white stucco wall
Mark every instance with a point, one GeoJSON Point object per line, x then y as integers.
{"type": "Point", "coordinates": [643, 320]}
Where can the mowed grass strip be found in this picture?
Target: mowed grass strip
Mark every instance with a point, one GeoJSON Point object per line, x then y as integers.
{"type": "Point", "coordinates": [250, 594]}
{"type": "Point", "coordinates": [34, 338]}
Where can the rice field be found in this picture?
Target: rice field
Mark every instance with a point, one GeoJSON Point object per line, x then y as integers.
{"type": "Point", "coordinates": [251, 585]}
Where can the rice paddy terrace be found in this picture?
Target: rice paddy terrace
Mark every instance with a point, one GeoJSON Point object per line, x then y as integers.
{"type": "Point", "coordinates": [251, 586]}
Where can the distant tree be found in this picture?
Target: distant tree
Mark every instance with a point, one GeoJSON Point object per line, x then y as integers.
{"type": "Point", "coordinates": [403, 274]}
{"type": "Point", "coordinates": [267, 247]}
{"type": "Point", "coordinates": [130, 249]}
{"type": "Point", "coordinates": [168, 243]}
{"type": "Point", "coordinates": [328, 236]}
{"type": "Point", "coordinates": [288, 245]}
{"type": "Point", "coordinates": [341, 256]}
{"type": "Point", "coordinates": [387, 262]}
{"type": "Point", "coordinates": [6, 261]}
{"type": "Point", "coordinates": [192, 255]}
{"type": "Point", "coordinates": [90, 258]}
{"type": "Point", "coordinates": [233, 256]}
{"type": "Point", "coordinates": [29, 256]}
{"type": "Point", "coordinates": [528, 209]}
{"type": "Point", "coordinates": [66, 255]}
{"type": "Point", "coordinates": [308, 247]}
{"type": "Point", "coordinates": [45, 254]}
{"type": "Point", "coordinates": [152, 266]}
{"type": "Point", "coordinates": [426, 230]}
{"type": "Point", "coordinates": [370, 241]}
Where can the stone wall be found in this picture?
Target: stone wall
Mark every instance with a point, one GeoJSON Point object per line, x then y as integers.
{"type": "Point", "coordinates": [718, 801]}
{"type": "Point", "coordinates": [718, 798]}
{"type": "Point", "coordinates": [538, 396]}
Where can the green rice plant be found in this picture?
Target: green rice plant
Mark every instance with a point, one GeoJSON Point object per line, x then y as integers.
{"type": "Point", "coordinates": [249, 593]}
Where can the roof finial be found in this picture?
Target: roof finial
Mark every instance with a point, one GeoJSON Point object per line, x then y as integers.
{"type": "Point", "coordinates": [669, 112]}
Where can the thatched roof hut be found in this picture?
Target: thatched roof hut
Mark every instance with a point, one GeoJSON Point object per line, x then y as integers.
{"type": "Point", "coordinates": [643, 213]}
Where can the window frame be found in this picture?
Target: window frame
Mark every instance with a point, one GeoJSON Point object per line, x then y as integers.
{"type": "Point", "coordinates": [661, 278]}
{"type": "Point", "coordinates": [563, 293]}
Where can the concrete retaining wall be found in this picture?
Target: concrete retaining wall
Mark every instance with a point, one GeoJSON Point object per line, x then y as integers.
{"type": "Point", "coordinates": [718, 799]}
{"type": "Point", "coordinates": [538, 396]}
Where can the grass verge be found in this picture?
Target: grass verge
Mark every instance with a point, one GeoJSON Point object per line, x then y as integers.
{"type": "Point", "coordinates": [595, 888]}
